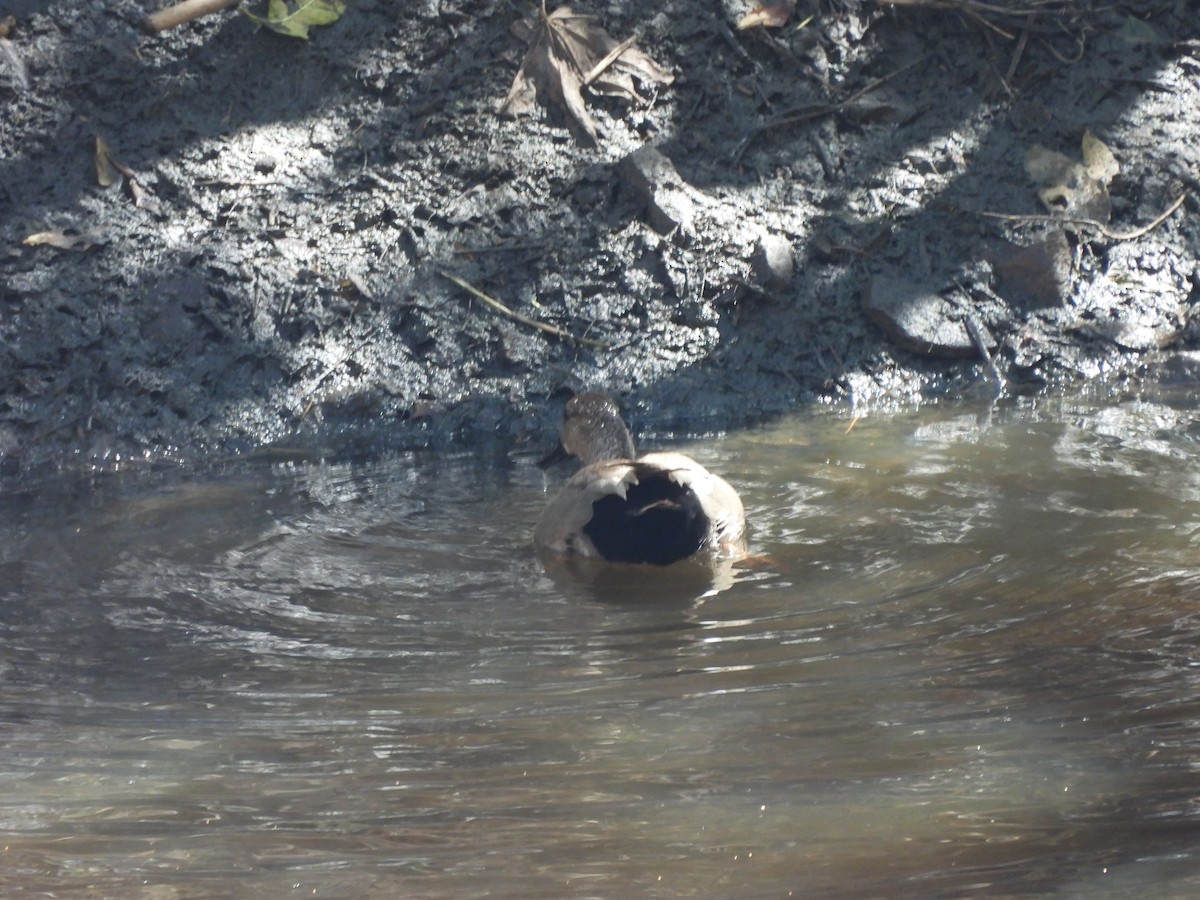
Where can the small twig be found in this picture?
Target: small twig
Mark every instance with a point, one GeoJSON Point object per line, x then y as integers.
{"type": "Point", "coordinates": [1092, 223]}
{"type": "Point", "coordinates": [184, 11]}
{"type": "Point", "coordinates": [808, 113]}
{"type": "Point", "coordinates": [1016, 59]}
{"type": "Point", "coordinates": [499, 248]}
{"type": "Point", "coordinates": [733, 43]}
{"type": "Point", "coordinates": [234, 182]}
{"type": "Point", "coordinates": [979, 8]}
{"type": "Point", "coordinates": [1081, 40]}
{"type": "Point", "coordinates": [981, 347]}
{"type": "Point", "coordinates": [978, 338]}
{"type": "Point", "coordinates": [982, 20]}
{"type": "Point", "coordinates": [517, 317]}
{"type": "Point", "coordinates": [611, 57]}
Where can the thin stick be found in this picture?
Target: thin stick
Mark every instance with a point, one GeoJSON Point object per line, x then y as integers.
{"type": "Point", "coordinates": [499, 248]}
{"type": "Point", "coordinates": [808, 113]}
{"type": "Point", "coordinates": [1016, 59]}
{"type": "Point", "coordinates": [184, 11]}
{"type": "Point", "coordinates": [608, 60]}
{"type": "Point", "coordinates": [1092, 223]}
{"type": "Point", "coordinates": [975, 332]}
{"type": "Point", "coordinates": [516, 316]}
{"type": "Point", "coordinates": [977, 7]}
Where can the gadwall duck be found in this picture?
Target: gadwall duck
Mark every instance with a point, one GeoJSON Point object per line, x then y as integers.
{"type": "Point", "coordinates": [658, 508]}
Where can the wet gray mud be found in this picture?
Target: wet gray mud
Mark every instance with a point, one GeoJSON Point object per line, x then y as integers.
{"type": "Point", "coordinates": [802, 215]}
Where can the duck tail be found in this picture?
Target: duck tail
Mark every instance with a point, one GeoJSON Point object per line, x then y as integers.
{"type": "Point", "coordinates": [658, 521]}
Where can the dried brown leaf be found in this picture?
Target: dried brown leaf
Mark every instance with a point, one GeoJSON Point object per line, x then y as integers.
{"type": "Point", "coordinates": [769, 15]}
{"type": "Point", "coordinates": [1098, 159]}
{"type": "Point", "coordinates": [60, 240]}
{"type": "Point", "coordinates": [568, 51]}
{"type": "Point", "coordinates": [1074, 189]}
{"type": "Point", "coordinates": [106, 169]}
{"type": "Point", "coordinates": [109, 170]}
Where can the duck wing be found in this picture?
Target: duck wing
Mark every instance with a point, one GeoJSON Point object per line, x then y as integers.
{"type": "Point", "coordinates": [561, 526]}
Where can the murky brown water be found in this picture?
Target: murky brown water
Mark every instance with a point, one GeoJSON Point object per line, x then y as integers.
{"type": "Point", "coordinates": [967, 664]}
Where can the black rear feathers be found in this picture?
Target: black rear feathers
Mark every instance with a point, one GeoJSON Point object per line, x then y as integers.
{"type": "Point", "coordinates": [658, 521]}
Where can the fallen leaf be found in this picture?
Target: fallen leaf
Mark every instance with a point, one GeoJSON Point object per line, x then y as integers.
{"type": "Point", "coordinates": [358, 283]}
{"type": "Point", "coordinates": [106, 169]}
{"type": "Point", "coordinates": [769, 15]}
{"type": "Point", "coordinates": [109, 169]}
{"type": "Point", "coordinates": [60, 240]}
{"type": "Point", "coordinates": [1077, 190]}
{"type": "Point", "coordinates": [1098, 159]}
{"type": "Point", "coordinates": [294, 18]}
{"type": "Point", "coordinates": [143, 196]}
{"type": "Point", "coordinates": [568, 51]}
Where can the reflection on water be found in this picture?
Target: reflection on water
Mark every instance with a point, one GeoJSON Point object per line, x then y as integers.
{"type": "Point", "coordinates": [961, 661]}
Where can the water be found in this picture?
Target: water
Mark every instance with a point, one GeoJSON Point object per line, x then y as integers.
{"type": "Point", "coordinates": [962, 661]}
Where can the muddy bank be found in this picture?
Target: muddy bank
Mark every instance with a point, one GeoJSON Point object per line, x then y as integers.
{"type": "Point", "coordinates": [842, 212]}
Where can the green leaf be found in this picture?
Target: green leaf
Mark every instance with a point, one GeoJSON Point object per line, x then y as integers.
{"type": "Point", "coordinates": [294, 17]}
